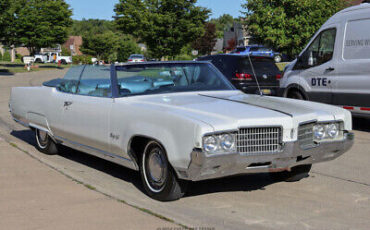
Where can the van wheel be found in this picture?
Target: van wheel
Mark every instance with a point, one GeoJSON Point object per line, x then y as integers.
{"type": "Point", "coordinates": [44, 143]}
{"type": "Point", "coordinates": [295, 94]}
{"type": "Point", "coordinates": [38, 60]}
{"type": "Point", "coordinates": [277, 59]}
{"type": "Point", "coordinates": [159, 179]}
{"type": "Point", "coordinates": [296, 174]}
{"type": "Point", "coordinates": [63, 62]}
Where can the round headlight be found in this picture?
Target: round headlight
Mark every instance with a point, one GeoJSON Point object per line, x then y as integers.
{"type": "Point", "coordinates": [319, 132]}
{"type": "Point", "coordinates": [210, 144]}
{"type": "Point", "coordinates": [227, 141]}
{"type": "Point", "coordinates": [332, 130]}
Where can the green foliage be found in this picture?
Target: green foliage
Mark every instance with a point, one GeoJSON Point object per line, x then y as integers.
{"type": "Point", "coordinates": [222, 23]}
{"type": "Point", "coordinates": [65, 51]}
{"type": "Point", "coordinates": [1, 56]}
{"type": "Point", "coordinates": [4, 15]}
{"type": "Point", "coordinates": [287, 25]}
{"type": "Point", "coordinates": [37, 23]}
{"type": "Point", "coordinates": [91, 27]}
{"type": "Point", "coordinates": [206, 43]}
{"type": "Point", "coordinates": [165, 26]}
{"type": "Point", "coordinates": [109, 46]}
{"type": "Point", "coordinates": [126, 47]}
{"type": "Point", "coordinates": [6, 56]}
{"type": "Point", "coordinates": [183, 57]}
{"type": "Point", "coordinates": [82, 59]}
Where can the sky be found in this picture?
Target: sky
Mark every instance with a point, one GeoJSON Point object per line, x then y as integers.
{"type": "Point", "coordinates": [103, 9]}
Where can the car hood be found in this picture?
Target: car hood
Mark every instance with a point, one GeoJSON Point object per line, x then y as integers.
{"type": "Point", "coordinates": [227, 110]}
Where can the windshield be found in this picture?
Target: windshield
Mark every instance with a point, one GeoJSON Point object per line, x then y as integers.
{"type": "Point", "coordinates": [169, 78]}
{"type": "Point", "coordinates": [136, 56]}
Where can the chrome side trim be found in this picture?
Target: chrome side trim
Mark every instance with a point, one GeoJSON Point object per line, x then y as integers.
{"type": "Point", "coordinates": [98, 153]}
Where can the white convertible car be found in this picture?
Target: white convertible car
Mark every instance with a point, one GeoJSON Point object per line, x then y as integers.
{"type": "Point", "coordinates": [180, 121]}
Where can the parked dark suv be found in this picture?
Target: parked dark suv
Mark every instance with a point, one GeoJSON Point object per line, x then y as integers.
{"type": "Point", "coordinates": [239, 72]}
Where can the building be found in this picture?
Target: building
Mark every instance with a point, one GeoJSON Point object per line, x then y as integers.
{"type": "Point", "coordinates": [73, 44]}
{"type": "Point", "coordinates": [236, 35]}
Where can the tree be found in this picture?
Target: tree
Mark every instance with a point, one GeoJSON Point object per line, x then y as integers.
{"type": "Point", "coordinates": [109, 46]}
{"type": "Point", "coordinates": [206, 43]}
{"type": "Point", "coordinates": [126, 47]}
{"type": "Point", "coordinates": [287, 25]}
{"type": "Point", "coordinates": [100, 45]}
{"type": "Point", "coordinates": [4, 15]}
{"type": "Point", "coordinates": [222, 23]}
{"type": "Point", "coordinates": [91, 27]}
{"type": "Point", "coordinates": [165, 26]}
{"type": "Point", "coordinates": [37, 23]}
{"type": "Point", "coordinates": [231, 44]}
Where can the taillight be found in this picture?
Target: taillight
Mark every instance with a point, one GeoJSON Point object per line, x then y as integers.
{"type": "Point", "coordinates": [278, 76]}
{"type": "Point", "coordinates": [129, 59]}
{"type": "Point", "coordinates": [243, 76]}
{"type": "Point", "coordinates": [142, 60]}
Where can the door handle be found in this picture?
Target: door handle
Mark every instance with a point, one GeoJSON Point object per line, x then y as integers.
{"type": "Point", "coordinates": [330, 69]}
{"type": "Point", "coordinates": [67, 103]}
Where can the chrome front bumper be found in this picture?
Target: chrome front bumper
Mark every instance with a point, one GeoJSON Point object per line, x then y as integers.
{"type": "Point", "coordinates": [203, 167]}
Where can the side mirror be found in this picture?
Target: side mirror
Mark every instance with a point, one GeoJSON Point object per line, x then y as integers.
{"type": "Point", "coordinates": [310, 60]}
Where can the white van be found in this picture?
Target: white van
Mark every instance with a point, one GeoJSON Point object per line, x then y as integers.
{"type": "Point", "coordinates": [334, 68]}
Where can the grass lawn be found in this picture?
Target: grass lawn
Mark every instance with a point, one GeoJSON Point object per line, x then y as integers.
{"type": "Point", "coordinates": [19, 67]}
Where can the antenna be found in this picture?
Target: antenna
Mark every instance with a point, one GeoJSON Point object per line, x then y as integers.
{"type": "Point", "coordinates": [255, 75]}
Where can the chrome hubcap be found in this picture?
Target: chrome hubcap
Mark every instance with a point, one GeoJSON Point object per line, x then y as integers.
{"type": "Point", "coordinates": [156, 166]}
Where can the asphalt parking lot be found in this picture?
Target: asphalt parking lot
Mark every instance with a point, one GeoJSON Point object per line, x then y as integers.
{"type": "Point", "coordinates": [335, 196]}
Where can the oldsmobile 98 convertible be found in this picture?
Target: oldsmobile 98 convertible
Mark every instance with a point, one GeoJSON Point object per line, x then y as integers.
{"type": "Point", "coordinates": [179, 121]}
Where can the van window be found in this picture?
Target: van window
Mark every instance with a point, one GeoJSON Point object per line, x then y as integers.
{"type": "Point", "coordinates": [321, 49]}
{"type": "Point", "coordinates": [357, 40]}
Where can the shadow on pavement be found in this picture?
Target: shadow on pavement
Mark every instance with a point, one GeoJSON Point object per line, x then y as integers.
{"type": "Point", "coordinates": [361, 124]}
{"type": "Point", "coordinates": [5, 72]}
{"type": "Point", "coordinates": [243, 183]}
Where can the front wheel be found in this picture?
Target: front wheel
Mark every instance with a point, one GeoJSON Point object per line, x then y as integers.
{"type": "Point", "coordinates": [296, 174]}
{"type": "Point", "coordinates": [295, 94]}
{"type": "Point", "coordinates": [159, 179]}
{"type": "Point", "coordinates": [44, 143]}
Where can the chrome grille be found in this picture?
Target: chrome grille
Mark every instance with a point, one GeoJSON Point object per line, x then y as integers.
{"type": "Point", "coordinates": [255, 141]}
{"type": "Point", "coordinates": [305, 135]}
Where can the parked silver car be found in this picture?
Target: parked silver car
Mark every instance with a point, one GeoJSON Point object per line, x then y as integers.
{"type": "Point", "coordinates": [179, 121]}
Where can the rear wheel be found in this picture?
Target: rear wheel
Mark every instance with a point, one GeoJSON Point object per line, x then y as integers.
{"type": "Point", "coordinates": [44, 143]}
{"type": "Point", "coordinates": [159, 179]}
{"type": "Point", "coordinates": [296, 174]}
{"type": "Point", "coordinates": [63, 62]}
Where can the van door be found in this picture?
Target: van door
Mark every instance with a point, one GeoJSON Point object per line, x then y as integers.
{"type": "Point", "coordinates": [352, 82]}
{"type": "Point", "coordinates": [316, 66]}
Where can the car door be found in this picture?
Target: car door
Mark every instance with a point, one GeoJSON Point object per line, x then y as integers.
{"type": "Point", "coordinates": [85, 114]}
{"type": "Point", "coordinates": [352, 83]}
{"type": "Point", "coordinates": [316, 66]}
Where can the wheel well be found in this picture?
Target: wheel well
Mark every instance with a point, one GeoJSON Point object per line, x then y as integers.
{"type": "Point", "coordinates": [294, 89]}
{"type": "Point", "coordinates": [137, 146]}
